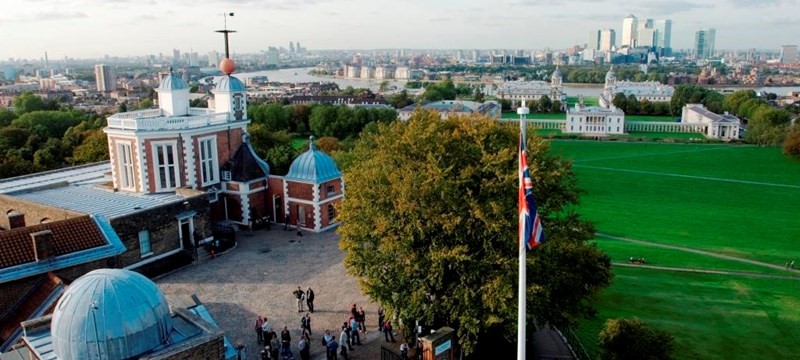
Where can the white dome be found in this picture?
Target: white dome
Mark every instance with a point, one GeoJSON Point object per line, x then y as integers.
{"type": "Point", "coordinates": [110, 314]}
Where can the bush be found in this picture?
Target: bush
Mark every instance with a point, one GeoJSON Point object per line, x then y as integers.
{"type": "Point", "coordinates": [632, 339]}
{"type": "Point", "coordinates": [791, 145]}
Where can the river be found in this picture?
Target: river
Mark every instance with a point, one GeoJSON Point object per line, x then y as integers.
{"type": "Point", "coordinates": [300, 75]}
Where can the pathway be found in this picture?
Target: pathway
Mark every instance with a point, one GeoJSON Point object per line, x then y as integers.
{"type": "Point", "coordinates": [705, 271]}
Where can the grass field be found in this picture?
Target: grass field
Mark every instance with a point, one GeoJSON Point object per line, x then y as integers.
{"type": "Point", "coordinates": [740, 201]}
{"type": "Point", "coordinates": [664, 135]}
{"type": "Point", "coordinates": [587, 100]}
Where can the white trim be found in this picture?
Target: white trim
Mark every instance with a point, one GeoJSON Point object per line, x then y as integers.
{"type": "Point", "coordinates": [153, 258]}
{"type": "Point", "coordinates": [126, 148]}
{"type": "Point", "coordinates": [213, 160]}
{"type": "Point", "coordinates": [111, 154]}
{"type": "Point", "coordinates": [317, 208]}
{"type": "Point", "coordinates": [300, 201]}
{"type": "Point", "coordinates": [188, 161]}
{"type": "Point", "coordinates": [176, 163]}
{"type": "Point", "coordinates": [337, 197]}
{"type": "Point", "coordinates": [286, 211]}
{"type": "Point", "coordinates": [146, 134]}
{"type": "Point", "coordinates": [143, 171]}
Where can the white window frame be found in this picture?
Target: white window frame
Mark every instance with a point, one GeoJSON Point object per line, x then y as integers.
{"type": "Point", "coordinates": [157, 166]}
{"type": "Point", "coordinates": [331, 213]}
{"type": "Point", "coordinates": [127, 177]}
{"type": "Point", "coordinates": [145, 244]}
{"type": "Point", "coordinates": [209, 163]}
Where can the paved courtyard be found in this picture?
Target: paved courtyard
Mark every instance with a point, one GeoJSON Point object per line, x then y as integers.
{"type": "Point", "coordinates": [258, 277]}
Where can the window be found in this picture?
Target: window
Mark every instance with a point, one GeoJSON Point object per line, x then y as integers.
{"type": "Point", "coordinates": [144, 243]}
{"type": "Point", "coordinates": [331, 190]}
{"type": "Point", "coordinates": [208, 161]}
{"type": "Point", "coordinates": [331, 213]}
{"type": "Point", "coordinates": [226, 175]}
{"type": "Point", "coordinates": [126, 180]}
{"type": "Point", "coordinates": [166, 165]}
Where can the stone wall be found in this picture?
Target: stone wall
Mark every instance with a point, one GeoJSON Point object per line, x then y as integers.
{"type": "Point", "coordinates": [163, 225]}
{"type": "Point", "coordinates": [34, 212]}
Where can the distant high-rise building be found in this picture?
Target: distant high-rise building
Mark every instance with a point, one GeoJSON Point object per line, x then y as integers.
{"type": "Point", "coordinates": [594, 40]}
{"type": "Point", "coordinates": [607, 39]}
{"type": "Point", "coordinates": [105, 77]}
{"type": "Point", "coordinates": [291, 47]}
{"type": "Point", "coordinates": [213, 58]}
{"type": "Point", "coordinates": [788, 54]}
{"type": "Point", "coordinates": [664, 35]}
{"type": "Point", "coordinates": [646, 37]}
{"type": "Point", "coordinates": [704, 43]}
{"type": "Point", "coordinates": [176, 56]}
{"type": "Point", "coordinates": [629, 27]}
{"type": "Point", "coordinates": [273, 56]}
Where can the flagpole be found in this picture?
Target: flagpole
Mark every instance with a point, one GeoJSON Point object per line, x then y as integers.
{"type": "Point", "coordinates": [522, 286]}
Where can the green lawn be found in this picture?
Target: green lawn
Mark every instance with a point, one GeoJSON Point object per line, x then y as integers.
{"type": "Point", "coordinates": [555, 116]}
{"type": "Point", "coordinates": [299, 142]}
{"type": "Point", "coordinates": [735, 200]}
{"type": "Point", "coordinates": [587, 100]}
{"type": "Point", "coordinates": [710, 316]}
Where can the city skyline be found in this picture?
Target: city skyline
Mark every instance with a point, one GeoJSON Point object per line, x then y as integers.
{"type": "Point", "coordinates": [94, 28]}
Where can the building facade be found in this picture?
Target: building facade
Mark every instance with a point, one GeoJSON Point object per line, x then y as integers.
{"type": "Point", "coordinates": [105, 78]}
{"type": "Point", "coordinates": [724, 127]}
{"type": "Point", "coordinates": [704, 40]}
{"type": "Point", "coordinates": [594, 120]}
{"type": "Point", "coordinates": [447, 108]}
{"type": "Point", "coordinates": [652, 91]}
{"type": "Point", "coordinates": [629, 26]}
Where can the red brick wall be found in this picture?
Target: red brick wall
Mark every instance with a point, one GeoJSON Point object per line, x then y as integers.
{"type": "Point", "coordinates": [276, 189]}
{"type": "Point", "coordinates": [337, 188]}
{"type": "Point", "coordinates": [301, 190]}
{"type": "Point", "coordinates": [324, 211]}
{"type": "Point", "coordinates": [293, 213]}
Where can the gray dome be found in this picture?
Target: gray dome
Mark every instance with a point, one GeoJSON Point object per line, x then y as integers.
{"type": "Point", "coordinates": [611, 75]}
{"type": "Point", "coordinates": [110, 314]}
{"type": "Point", "coordinates": [230, 84]}
{"type": "Point", "coordinates": [556, 73]}
{"type": "Point", "coordinates": [313, 166]}
{"type": "Point", "coordinates": [172, 82]}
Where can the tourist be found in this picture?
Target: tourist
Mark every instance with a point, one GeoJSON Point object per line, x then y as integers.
{"type": "Point", "coordinates": [286, 343]}
{"type": "Point", "coordinates": [349, 342]}
{"type": "Point", "coordinates": [343, 339]}
{"type": "Point", "coordinates": [381, 318]}
{"type": "Point", "coordinates": [241, 351]}
{"type": "Point", "coordinates": [354, 311]}
{"type": "Point", "coordinates": [265, 330]}
{"type": "Point", "coordinates": [266, 354]}
{"type": "Point", "coordinates": [275, 344]}
{"type": "Point", "coordinates": [361, 318]}
{"type": "Point", "coordinates": [299, 294]}
{"type": "Point", "coordinates": [303, 346]}
{"type": "Point", "coordinates": [354, 331]}
{"type": "Point", "coordinates": [332, 347]}
{"type": "Point", "coordinates": [310, 299]}
{"type": "Point", "coordinates": [305, 324]}
{"type": "Point", "coordinates": [404, 351]}
{"type": "Point", "coordinates": [387, 331]}
{"type": "Point", "coordinates": [259, 330]}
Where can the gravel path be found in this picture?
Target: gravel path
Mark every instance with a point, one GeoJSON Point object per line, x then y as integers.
{"type": "Point", "coordinates": [258, 277]}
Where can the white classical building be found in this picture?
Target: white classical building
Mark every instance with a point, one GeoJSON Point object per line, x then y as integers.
{"type": "Point", "coordinates": [725, 126]}
{"type": "Point", "coordinates": [532, 90]}
{"type": "Point", "coordinates": [447, 108]}
{"type": "Point", "coordinates": [594, 120]}
{"type": "Point", "coordinates": [652, 91]}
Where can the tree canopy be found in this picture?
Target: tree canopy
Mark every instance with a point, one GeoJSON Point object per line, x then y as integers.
{"type": "Point", "coordinates": [429, 227]}
{"type": "Point", "coordinates": [791, 145]}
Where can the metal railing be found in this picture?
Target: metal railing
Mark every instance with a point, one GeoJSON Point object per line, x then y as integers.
{"type": "Point", "coordinates": [574, 344]}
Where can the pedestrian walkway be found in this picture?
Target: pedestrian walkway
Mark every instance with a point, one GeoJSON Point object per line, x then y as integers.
{"type": "Point", "coordinates": [257, 278]}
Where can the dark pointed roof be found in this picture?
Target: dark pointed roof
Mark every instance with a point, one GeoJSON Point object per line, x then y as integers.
{"type": "Point", "coordinates": [245, 165]}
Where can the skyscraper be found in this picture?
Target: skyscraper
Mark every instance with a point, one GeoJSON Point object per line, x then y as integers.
{"type": "Point", "coordinates": [704, 43]}
{"type": "Point", "coordinates": [273, 56]}
{"type": "Point", "coordinates": [629, 27]}
{"type": "Point", "coordinates": [594, 40]}
{"type": "Point", "coordinates": [105, 78]}
{"type": "Point", "coordinates": [291, 47]}
{"type": "Point", "coordinates": [645, 34]}
{"type": "Point", "coordinates": [788, 54]}
{"type": "Point", "coordinates": [664, 35]}
{"type": "Point", "coordinates": [608, 38]}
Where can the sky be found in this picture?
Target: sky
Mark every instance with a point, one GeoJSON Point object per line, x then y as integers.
{"type": "Point", "coordinates": [94, 28]}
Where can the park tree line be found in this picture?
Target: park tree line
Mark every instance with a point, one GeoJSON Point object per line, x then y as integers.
{"type": "Point", "coordinates": [630, 105]}
{"type": "Point", "coordinates": [39, 136]}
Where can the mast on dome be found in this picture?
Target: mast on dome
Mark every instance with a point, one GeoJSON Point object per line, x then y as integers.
{"type": "Point", "coordinates": [225, 32]}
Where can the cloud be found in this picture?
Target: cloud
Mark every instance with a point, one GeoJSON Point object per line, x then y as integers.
{"type": "Point", "coordinates": [761, 3]}
{"type": "Point", "coordinates": [46, 16]}
{"type": "Point", "coordinates": [668, 7]}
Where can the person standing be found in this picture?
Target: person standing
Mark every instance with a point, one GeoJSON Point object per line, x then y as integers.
{"type": "Point", "coordinates": [275, 344]}
{"type": "Point", "coordinates": [387, 331]}
{"type": "Point", "coordinates": [349, 338]}
{"type": "Point", "coordinates": [305, 324]}
{"type": "Point", "coordinates": [332, 347]}
{"type": "Point", "coordinates": [286, 344]}
{"type": "Point", "coordinates": [381, 318]}
{"type": "Point", "coordinates": [343, 339]}
{"type": "Point", "coordinates": [305, 352]}
{"type": "Point", "coordinates": [299, 294]}
{"type": "Point", "coordinates": [266, 328]}
{"type": "Point", "coordinates": [310, 299]}
{"type": "Point", "coordinates": [354, 331]}
{"type": "Point", "coordinates": [259, 330]}
{"type": "Point", "coordinates": [361, 318]}
{"type": "Point", "coordinates": [404, 351]}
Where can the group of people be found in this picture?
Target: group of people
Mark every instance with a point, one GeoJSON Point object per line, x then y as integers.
{"type": "Point", "coordinates": [352, 330]}
{"type": "Point", "coordinates": [304, 296]}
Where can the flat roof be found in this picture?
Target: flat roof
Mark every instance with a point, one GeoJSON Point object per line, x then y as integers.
{"type": "Point", "coordinates": [74, 174]}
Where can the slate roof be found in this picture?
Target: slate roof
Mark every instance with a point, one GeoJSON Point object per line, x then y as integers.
{"type": "Point", "coordinates": [71, 235]}
{"type": "Point", "coordinates": [245, 165]}
{"type": "Point", "coordinates": [38, 301]}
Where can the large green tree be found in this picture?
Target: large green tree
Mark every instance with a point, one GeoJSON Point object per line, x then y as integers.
{"type": "Point", "coordinates": [791, 145]}
{"type": "Point", "coordinates": [624, 339]}
{"type": "Point", "coordinates": [429, 227]}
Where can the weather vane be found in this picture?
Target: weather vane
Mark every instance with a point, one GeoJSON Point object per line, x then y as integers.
{"type": "Point", "coordinates": [225, 31]}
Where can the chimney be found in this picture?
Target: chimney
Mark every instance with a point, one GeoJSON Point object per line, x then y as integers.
{"type": "Point", "coordinates": [16, 220]}
{"type": "Point", "coordinates": [42, 244]}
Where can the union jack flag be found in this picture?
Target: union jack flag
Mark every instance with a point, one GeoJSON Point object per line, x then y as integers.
{"type": "Point", "coordinates": [530, 223]}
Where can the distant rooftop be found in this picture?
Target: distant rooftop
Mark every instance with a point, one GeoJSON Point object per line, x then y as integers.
{"type": "Point", "coordinates": [594, 110]}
